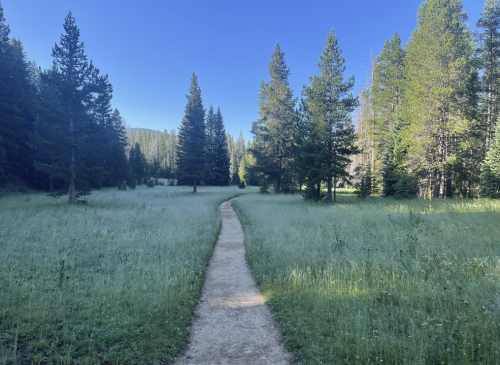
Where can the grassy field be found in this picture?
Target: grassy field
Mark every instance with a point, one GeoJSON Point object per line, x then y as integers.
{"type": "Point", "coordinates": [379, 281]}
{"type": "Point", "coordinates": [111, 282]}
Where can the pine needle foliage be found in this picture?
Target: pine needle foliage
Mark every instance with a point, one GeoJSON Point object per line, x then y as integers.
{"type": "Point", "coordinates": [191, 158]}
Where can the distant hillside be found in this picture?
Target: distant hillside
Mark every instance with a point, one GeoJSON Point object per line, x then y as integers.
{"type": "Point", "coordinates": [144, 130]}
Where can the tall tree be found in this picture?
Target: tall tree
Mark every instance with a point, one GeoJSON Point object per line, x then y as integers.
{"type": "Point", "coordinates": [210, 147]}
{"type": "Point", "coordinates": [386, 100]}
{"type": "Point", "coordinates": [16, 107]}
{"type": "Point", "coordinates": [221, 153]}
{"type": "Point", "coordinates": [76, 88]}
{"type": "Point", "coordinates": [490, 174]}
{"type": "Point", "coordinates": [489, 63]}
{"type": "Point", "coordinates": [438, 113]}
{"type": "Point", "coordinates": [218, 161]}
{"type": "Point", "coordinates": [273, 131]}
{"type": "Point", "coordinates": [191, 157]}
{"type": "Point", "coordinates": [331, 103]}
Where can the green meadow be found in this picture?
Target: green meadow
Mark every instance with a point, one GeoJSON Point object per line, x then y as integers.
{"type": "Point", "coordinates": [379, 281]}
{"type": "Point", "coordinates": [365, 281]}
{"type": "Point", "coordinates": [111, 282]}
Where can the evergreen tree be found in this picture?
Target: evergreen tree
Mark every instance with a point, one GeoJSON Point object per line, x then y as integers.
{"type": "Point", "coordinates": [137, 164]}
{"type": "Point", "coordinates": [330, 104]}
{"type": "Point", "coordinates": [365, 186]}
{"type": "Point", "coordinates": [76, 86]}
{"type": "Point", "coordinates": [489, 64]}
{"type": "Point", "coordinates": [116, 160]}
{"type": "Point", "coordinates": [210, 147]}
{"type": "Point", "coordinates": [4, 33]}
{"type": "Point", "coordinates": [393, 161]}
{"type": "Point", "coordinates": [273, 131]}
{"type": "Point", "coordinates": [490, 174]}
{"type": "Point", "coordinates": [220, 152]}
{"type": "Point", "coordinates": [438, 113]}
{"type": "Point", "coordinates": [191, 157]}
{"type": "Point", "coordinates": [16, 107]}
{"type": "Point", "coordinates": [386, 99]}
{"type": "Point", "coordinates": [307, 147]}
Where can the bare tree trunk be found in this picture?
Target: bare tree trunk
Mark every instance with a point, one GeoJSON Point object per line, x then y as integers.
{"type": "Point", "coordinates": [276, 185]}
{"type": "Point", "coordinates": [194, 186]}
{"type": "Point", "coordinates": [449, 183]}
{"type": "Point", "coordinates": [437, 185]}
{"type": "Point", "coordinates": [72, 191]}
{"type": "Point", "coordinates": [329, 193]}
{"type": "Point", "coordinates": [335, 190]}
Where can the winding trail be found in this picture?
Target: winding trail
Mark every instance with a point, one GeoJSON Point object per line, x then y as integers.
{"type": "Point", "coordinates": [232, 323]}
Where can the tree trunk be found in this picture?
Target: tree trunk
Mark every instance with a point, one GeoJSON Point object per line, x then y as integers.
{"type": "Point", "coordinates": [449, 184]}
{"type": "Point", "coordinates": [194, 186]}
{"type": "Point", "coordinates": [437, 185]}
{"type": "Point", "coordinates": [329, 193]}
{"type": "Point", "coordinates": [72, 191]}
{"type": "Point", "coordinates": [276, 185]}
{"type": "Point", "coordinates": [335, 190]}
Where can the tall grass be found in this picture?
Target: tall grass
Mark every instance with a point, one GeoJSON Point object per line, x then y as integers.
{"type": "Point", "coordinates": [379, 281]}
{"type": "Point", "coordinates": [111, 282]}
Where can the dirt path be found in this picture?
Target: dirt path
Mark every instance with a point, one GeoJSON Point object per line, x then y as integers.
{"type": "Point", "coordinates": [232, 324]}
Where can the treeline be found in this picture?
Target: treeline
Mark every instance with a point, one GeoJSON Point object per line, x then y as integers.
{"type": "Point", "coordinates": [58, 131]}
{"type": "Point", "coordinates": [426, 124]}
{"type": "Point", "coordinates": [160, 153]}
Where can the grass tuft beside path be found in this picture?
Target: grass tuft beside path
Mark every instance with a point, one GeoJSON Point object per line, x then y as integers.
{"type": "Point", "coordinates": [111, 282]}
{"type": "Point", "coordinates": [379, 281]}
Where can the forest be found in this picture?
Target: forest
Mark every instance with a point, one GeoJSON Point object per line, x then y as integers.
{"type": "Point", "coordinates": [424, 126]}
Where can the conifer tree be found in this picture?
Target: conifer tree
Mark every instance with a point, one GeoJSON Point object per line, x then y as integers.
{"type": "Point", "coordinates": [210, 147]}
{"type": "Point", "coordinates": [221, 153]}
{"type": "Point", "coordinates": [16, 107]}
{"type": "Point", "coordinates": [331, 103]}
{"type": "Point", "coordinates": [191, 158]}
{"type": "Point", "coordinates": [386, 98]}
{"type": "Point", "coordinates": [306, 148]}
{"type": "Point", "coordinates": [438, 113]}
{"type": "Point", "coordinates": [273, 131]}
{"type": "Point", "coordinates": [489, 64]}
{"type": "Point", "coordinates": [76, 86]}
{"type": "Point", "coordinates": [490, 174]}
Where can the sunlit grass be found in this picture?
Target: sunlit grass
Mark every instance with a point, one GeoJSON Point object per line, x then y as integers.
{"type": "Point", "coordinates": [379, 280]}
{"type": "Point", "coordinates": [114, 281]}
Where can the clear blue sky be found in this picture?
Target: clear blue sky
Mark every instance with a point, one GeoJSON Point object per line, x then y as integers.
{"type": "Point", "coordinates": [150, 48]}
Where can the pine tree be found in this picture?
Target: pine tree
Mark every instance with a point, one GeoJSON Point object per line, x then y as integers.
{"type": "Point", "coordinates": [221, 153]}
{"type": "Point", "coordinates": [191, 157]}
{"type": "Point", "coordinates": [386, 99]}
{"type": "Point", "coordinates": [331, 104]}
{"type": "Point", "coordinates": [438, 113]}
{"type": "Point", "coordinates": [306, 148]}
{"type": "Point", "coordinates": [273, 131]}
{"type": "Point", "coordinates": [210, 148]}
{"type": "Point", "coordinates": [16, 107]}
{"type": "Point", "coordinates": [490, 174]}
{"type": "Point", "coordinates": [75, 84]}
{"type": "Point", "coordinates": [489, 64]}
{"type": "Point", "coordinates": [4, 33]}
